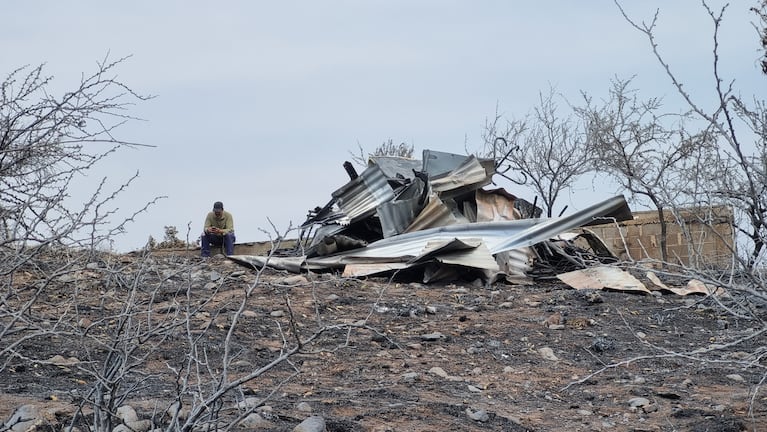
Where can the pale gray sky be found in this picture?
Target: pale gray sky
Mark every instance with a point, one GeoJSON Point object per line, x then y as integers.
{"type": "Point", "coordinates": [259, 103]}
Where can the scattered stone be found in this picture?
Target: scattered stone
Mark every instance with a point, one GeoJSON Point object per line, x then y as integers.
{"type": "Point", "coordinates": [431, 310]}
{"type": "Point", "coordinates": [641, 335]}
{"type": "Point", "coordinates": [688, 382]}
{"type": "Point", "coordinates": [735, 377]}
{"type": "Point", "coordinates": [479, 415]}
{"type": "Point", "coordinates": [304, 407]}
{"type": "Point", "coordinates": [602, 344]}
{"type": "Point", "coordinates": [311, 424]}
{"type": "Point", "coordinates": [548, 354]}
{"type": "Point", "coordinates": [210, 286]}
{"type": "Point", "coordinates": [25, 418]}
{"type": "Point", "coordinates": [410, 377]}
{"type": "Point", "coordinates": [638, 402]}
{"type": "Point", "coordinates": [255, 421]}
{"type": "Point", "coordinates": [508, 370]}
{"type": "Point", "coordinates": [277, 314]}
{"type": "Point", "coordinates": [554, 319]}
{"type": "Point", "coordinates": [438, 371]}
{"type": "Point", "coordinates": [431, 337]}
{"type": "Point", "coordinates": [474, 389]}
{"type": "Point", "coordinates": [585, 412]}
{"type": "Point", "coordinates": [92, 266]}
{"type": "Point", "coordinates": [531, 303]}
{"type": "Point", "coordinates": [127, 414]}
{"type": "Point", "coordinates": [248, 403]}
{"type": "Point", "coordinates": [59, 360]}
{"type": "Point", "coordinates": [214, 276]}
{"type": "Point", "coordinates": [506, 305]}
{"type": "Point", "coordinates": [332, 298]}
{"type": "Point", "coordinates": [650, 408]}
{"type": "Point", "coordinates": [294, 280]}
{"type": "Point", "coordinates": [415, 346]}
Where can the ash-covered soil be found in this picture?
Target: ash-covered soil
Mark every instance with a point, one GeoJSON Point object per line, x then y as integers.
{"type": "Point", "coordinates": [393, 356]}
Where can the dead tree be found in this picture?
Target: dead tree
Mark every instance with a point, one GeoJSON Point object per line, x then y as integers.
{"type": "Point", "coordinates": [547, 151]}
{"type": "Point", "coordinates": [739, 127]}
{"type": "Point", "coordinates": [639, 146]}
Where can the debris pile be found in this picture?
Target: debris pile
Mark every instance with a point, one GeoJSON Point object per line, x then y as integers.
{"type": "Point", "coordinates": [434, 220]}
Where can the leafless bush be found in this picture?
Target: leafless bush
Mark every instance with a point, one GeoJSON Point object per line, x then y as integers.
{"type": "Point", "coordinates": [547, 151]}
{"type": "Point", "coordinates": [387, 148]}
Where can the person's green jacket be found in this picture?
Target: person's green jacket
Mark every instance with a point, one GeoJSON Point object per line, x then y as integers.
{"type": "Point", "coordinates": [225, 223]}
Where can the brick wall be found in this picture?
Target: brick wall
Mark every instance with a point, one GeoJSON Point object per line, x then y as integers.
{"type": "Point", "coordinates": [695, 237]}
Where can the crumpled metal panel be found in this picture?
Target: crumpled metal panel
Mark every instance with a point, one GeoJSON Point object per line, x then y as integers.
{"type": "Point", "coordinates": [396, 215]}
{"type": "Point", "coordinates": [602, 277]}
{"type": "Point", "coordinates": [549, 228]}
{"type": "Point", "coordinates": [396, 167]}
{"type": "Point", "coordinates": [465, 252]}
{"type": "Point", "coordinates": [495, 205]}
{"type": "Point", "coordinates": [471, 175]}
{"type": "Point", "coordinates": [360, 197]}
{"type": "Point", "coordinates": [436, 214]}
{"type": "Point", "coordinates": [498, 236]}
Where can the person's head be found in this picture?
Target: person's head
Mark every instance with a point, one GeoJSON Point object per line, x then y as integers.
{"type": "Point", "coordinates": [218, 208]}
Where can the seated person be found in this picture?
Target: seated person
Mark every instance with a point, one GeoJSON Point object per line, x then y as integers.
{"type": "Point", "coordinates": [219, 229]}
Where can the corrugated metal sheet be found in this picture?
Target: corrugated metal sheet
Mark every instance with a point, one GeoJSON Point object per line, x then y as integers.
{"type": "Point", "coordinates": [396, 167]}
{"type": "Point", "coordinates": [360, 197]}
{"type": "Point", "coordinates": [397, 215]}
{"type": "Point", "coordinates": [435, 214]}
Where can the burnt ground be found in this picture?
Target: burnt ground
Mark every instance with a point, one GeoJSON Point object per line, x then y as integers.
{"type": "Point", "coordinates": [438, 357]}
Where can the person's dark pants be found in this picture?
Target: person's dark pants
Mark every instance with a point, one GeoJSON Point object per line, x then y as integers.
{"type": "Point", "coordinates": [217, 240]}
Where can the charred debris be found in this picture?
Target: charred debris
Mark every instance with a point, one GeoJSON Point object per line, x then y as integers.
{"type": "Point", "coordinates": [439, 219]}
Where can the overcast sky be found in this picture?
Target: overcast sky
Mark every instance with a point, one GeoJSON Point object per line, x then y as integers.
{"type": "Point", "coordinates": [259, 103]}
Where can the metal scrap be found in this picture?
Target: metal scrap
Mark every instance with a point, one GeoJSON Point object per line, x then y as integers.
{"type": "Point", "coordinates": [434, 219]}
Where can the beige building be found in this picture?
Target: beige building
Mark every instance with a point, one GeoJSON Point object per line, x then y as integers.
{"type": "Point", "coordinates": [695, 237]}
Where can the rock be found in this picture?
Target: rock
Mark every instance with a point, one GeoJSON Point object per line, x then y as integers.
{"type": "Point", "coordinates": [92, 266]}
{"type": "Point", "coordinates": [294, 280]}
{"type": "Point", "coordinates": [210, 286]}
{"type": "Point", "coordinates": [59, 360]}
{"type": "Point", "coordinates": [735, 377]}
{"type": "Point", "coordinates": [638, 402]}
{"type": "Point", "coordinates": [255, 421]}
{"type": "Point", "coordinates": [277, 314]}
{"type": "Point", "coordinates": [474, 389]}
{"type": "Point", "coordinates": [548, 354]}
{"type": "Point", "coordinates": [438, 371]}
{"type": "Point", "coordinates": [332, 298]}
{"type": "Point", "coordinates": [480, 415]}
{"type": "Point", "coordinates": [127, 414]}
{"type": "Point", "coordinates": [410, 377]}
{"type": "Point", "coordinates": [182, 414]}
{"type": "Point", "coordinates": [24, 419]}
{"type": "Point", "coordinates": [139, 425]}
{"type": "Point", "coordinates": [431, 310]}
{"type": "Point", "coordinates": [506, 305]}
{"type": "Point", "coordinates": [311, 424]}
{"type": "Point", "coordinates": [214, 276]}
{"type": "Point", "coordinates": [249, 402]}
{"type": "Point", "coordinates": [431, 337]}
{"type": "Point", "coordinates": [304, 407]}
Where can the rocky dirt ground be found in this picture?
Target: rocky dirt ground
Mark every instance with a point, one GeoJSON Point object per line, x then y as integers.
{"type": "Point", "coordinates": [440, 357]}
